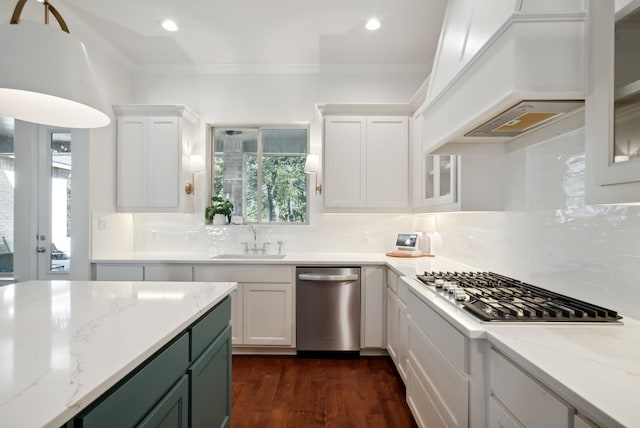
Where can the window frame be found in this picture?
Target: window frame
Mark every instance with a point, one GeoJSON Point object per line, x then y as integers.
{"type": "Point", "coordinates": [211, 153]}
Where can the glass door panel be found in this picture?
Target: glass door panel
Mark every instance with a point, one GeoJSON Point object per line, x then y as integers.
{"type": "Point", "coordinates": [60, 187]}
{"type": "Point", "coordinates": [626, 145]}
{"type": "Point", "coordinates": [429, 177]}
{"type": "Point", "coordinates": [445, 175]}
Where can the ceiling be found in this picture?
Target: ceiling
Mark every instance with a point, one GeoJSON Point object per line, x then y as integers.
{"type": "Point", "coordinates": [264, 33]}
{"type": "Point", "coordinates": [258, 32]}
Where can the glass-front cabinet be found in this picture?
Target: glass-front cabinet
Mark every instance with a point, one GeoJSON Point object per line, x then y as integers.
{"type": "Point", "coordinates": [439, 179]}
{"type": "Point", "coordinates": [612, 112]}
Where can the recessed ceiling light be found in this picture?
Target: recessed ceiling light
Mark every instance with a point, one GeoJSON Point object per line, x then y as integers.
{"type": "Point", "coordinates": [373, 24]}
{"type": "Point", "coordinates": [169, 25]}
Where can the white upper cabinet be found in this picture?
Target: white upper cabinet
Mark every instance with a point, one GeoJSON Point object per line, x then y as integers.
{"type": "Point", "coordinates": [439, 180]}
{"type": "Point", "coordinates": [152, 144]}
{"type": "Point", "coordinates": [366, 162]}
{"type": "Point", "coordinates": [387, 162]}
{"type": "Point", "coordinates": [452, 183]}
{"type": "Point", "coordinates": [445, 183]}
{"type": "Point", "coordinates": [345, 161]}
{"type": "Point", "coordinates": [612, 112]}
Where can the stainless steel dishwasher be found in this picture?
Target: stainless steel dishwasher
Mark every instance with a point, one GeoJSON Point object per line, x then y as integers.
{"type": "Point", "coordinates": [328, 309]}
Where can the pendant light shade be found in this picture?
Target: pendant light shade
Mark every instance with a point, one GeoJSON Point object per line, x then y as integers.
{"type": "Point", "coordinates": [46, 76]}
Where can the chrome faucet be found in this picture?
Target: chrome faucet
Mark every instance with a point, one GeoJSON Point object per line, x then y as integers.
{"type": "Point", "coordinates": [253, 230]}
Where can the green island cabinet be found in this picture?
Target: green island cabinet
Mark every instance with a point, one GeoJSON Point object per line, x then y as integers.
{"type": "Point", "coordinates": [186, 384]}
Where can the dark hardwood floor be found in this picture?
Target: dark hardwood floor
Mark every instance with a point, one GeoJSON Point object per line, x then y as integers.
{"type": "Point", "coordinates": [269, 391]}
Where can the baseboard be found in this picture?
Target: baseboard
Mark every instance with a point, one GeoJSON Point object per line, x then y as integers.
{"type": "Point", "coordinates": [263, 350]}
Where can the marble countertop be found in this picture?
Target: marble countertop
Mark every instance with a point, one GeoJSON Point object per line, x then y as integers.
{"type": "Point", "coordinates": [64, 343]}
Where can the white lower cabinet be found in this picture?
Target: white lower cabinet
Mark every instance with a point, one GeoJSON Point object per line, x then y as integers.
{"type": "Point", "coordinates": [499, 417]}
{"type": "Point", "coordinates": [267, 314]}
{"type": "Point", "coordinates": [397, 331]}
{"type": "Point", "coordinates": [119, 272]}
{"type": "Point", "coordinates": [136, 272]}
{"type": "Point", "coordinates": [373, 307]}
{"type": "Point", "coordinates": [579, 422]}
{"type": "Point", "coordinates": [446, 385]}
{"type": "Point", "coordinates": [528, 402]}
{"type": "Point", "coordinates": [392, 325]}
{"type": "Point", "coordinates": [392, 307]}
{"type": "Point", "coordinates": [165, 272]}
{"type": "Point", "coordinates": [236, 317]}
{"type": "Point", "coordinates": [440, 364]}
{"type": "Point", "coordinates": [263, 305]}
{"type": "Point", "coordinates": [403, 339]}
{"type": "Point", "coordinates": [420, 401]}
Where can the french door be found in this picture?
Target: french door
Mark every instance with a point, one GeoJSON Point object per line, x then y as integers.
{"type": "Point", "coordinates": [55, 188]}
{"type": "Point", "coordinates": [51, 203]}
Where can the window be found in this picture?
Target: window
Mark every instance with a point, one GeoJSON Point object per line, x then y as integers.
{"type": "Point", "coordinates": [261, 171]}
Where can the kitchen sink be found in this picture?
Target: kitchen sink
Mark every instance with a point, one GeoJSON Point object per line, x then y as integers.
{"type": "Point", "coordinates": [248, 256]}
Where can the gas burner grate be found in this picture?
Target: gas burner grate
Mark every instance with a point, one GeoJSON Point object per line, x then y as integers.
{"type": "Point", "coordinates": [496, 298]}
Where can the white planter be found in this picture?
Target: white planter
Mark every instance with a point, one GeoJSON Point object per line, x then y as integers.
{"type": "Point", "coordinates": [219, 219]}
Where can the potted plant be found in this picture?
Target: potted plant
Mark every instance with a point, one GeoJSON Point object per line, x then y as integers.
{"type": "Point", "coordinates": [219, 212]}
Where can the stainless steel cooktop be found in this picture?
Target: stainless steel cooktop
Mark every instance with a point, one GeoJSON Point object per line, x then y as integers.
{"type": "Point", "coordinates": [496, 298]}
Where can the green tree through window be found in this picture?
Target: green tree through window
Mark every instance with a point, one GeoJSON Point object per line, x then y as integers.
{"type": "Point", "coordinates": [261, 170]}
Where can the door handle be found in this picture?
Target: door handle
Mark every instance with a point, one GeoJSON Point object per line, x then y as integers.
{"type": "Point", "coordinates": [320, 277]}
{"type": "Point", "coordinates": [41, 249]}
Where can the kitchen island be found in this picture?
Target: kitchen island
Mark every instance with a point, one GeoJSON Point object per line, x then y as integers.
{"type": "Point", "coordinates": [64, 344]}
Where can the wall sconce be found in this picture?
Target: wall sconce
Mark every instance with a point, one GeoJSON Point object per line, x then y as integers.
{"type": "Point", "coordinates": [46, 75]}
{"type": "Point", "coordinates": [312, 166]}
{"type": "Point", "coordinates": [197, 165]}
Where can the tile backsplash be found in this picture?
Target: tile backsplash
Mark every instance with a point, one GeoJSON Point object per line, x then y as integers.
{"type": "Point", "coordinates": [186, 233]}
{"type": "Point", "coordinates": [548, 236]}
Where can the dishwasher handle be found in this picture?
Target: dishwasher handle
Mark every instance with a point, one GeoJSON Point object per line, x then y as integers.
{"type": "Point", "coordinates": [323, 277]}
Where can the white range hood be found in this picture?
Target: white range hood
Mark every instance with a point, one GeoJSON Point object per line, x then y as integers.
{"type": "Point", "coordinates": [530, 73]}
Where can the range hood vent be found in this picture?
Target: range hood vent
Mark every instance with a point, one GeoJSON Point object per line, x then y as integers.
{"type": "Point", "coordinates": [524, 117]}
{"type": "Point", "coordinates": [530, 73]}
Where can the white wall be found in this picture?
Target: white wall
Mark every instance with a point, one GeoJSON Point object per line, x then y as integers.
{"type": "Point", "coordinates": [253, 98]}
{"type": "Point", "coordinates": [548, 236]}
